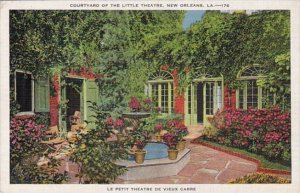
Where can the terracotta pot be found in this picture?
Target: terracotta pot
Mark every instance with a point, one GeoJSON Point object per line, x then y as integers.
{"type": "Point", "coordinates": [139, 156]}
{"type": "Point", "coordinates": [172, 154]}
{"type": "Point", "coordinates": [181, 145]}
{"type": "Point", "coordinates": [158, 137]}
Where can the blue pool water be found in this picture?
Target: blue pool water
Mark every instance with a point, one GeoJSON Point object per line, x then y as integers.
{"type": "Point", "coordinates": [155, 151]}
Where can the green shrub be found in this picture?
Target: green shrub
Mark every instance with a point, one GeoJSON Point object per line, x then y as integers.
{"type": "Point", "coordinates": [95, 155]}
{"type": "Point", "coordinates": [14, 106]}
{"type": "Point", "coordinates": [27, 172]}
{"type": "Point", "coordinates": [42, 118]}
{"type": "Point", "coordinates": [210, 131]}
{"type": "Point", "coordinates": [260, 178]}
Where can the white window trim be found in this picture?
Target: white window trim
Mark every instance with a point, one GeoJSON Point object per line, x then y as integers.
{"type": "Point", "coordinates": [170, 100]}
{"type": "Point", "coordinates": [22, 113]}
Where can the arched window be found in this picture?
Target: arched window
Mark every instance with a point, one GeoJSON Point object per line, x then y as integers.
{"type": "Point", "coordinates": [250, 94]}
{"type": "Point", "coordinates": [161, 91]}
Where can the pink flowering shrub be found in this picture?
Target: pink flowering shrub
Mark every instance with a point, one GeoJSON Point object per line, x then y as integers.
{"type": "Point", "coordinates": [140, 144]}
{"type": "Point", "coordinates": [25, 149]}
{"type": "Point", "coordinates": [170, 139]}
{"type": "Point", "coordinates": [25, 133]}
{"type": "Point", "coordinates": [158, 127]}
{"type": "Point", "coordinates": [176, 127]}
{"type": "Point", "coordinates": [119, 124]}
{"type": "Point", "coordinates": [181, 132]}
{"type": "Point", "coordinates": [265, 131]}
{"type": "Point", "coordinates": [134, 104]}
{"type": "Point", "coordinates": [109, 121]}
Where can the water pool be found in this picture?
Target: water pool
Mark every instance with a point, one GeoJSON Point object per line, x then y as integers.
{"type": "Point", "coordinates": [155, 151]}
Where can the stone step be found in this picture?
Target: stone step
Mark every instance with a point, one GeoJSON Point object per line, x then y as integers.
{"type": "Point", "coordinates": [195, 131]}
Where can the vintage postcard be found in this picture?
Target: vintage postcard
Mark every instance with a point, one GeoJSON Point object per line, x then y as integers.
{"type": "Point", "coordinates": [150, 96]}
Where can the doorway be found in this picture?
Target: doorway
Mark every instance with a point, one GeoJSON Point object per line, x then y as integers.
{"type": "Point", "coordinates": [74, 97]}
{"type": "Point", "coordinates": [200, 102]}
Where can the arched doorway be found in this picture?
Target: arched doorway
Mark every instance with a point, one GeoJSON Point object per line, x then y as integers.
{"type": "Point", "coordinates": [203, 97]}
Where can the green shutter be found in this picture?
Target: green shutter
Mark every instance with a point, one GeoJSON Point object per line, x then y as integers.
{"type": "Point", "coordinates": [190, 115]}
{"type": "Point", "coordinates": [42, 95]}
{"type": "Point", "coordinates": [194, 105]}
{"type": "Point", "coordinates": [187, 116]}
{"type": "Point", "coordinates": [92, 95]}
{"type": "Point", "coordinates": [63, 108]}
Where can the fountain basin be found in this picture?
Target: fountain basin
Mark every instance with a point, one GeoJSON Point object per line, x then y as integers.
{"type": "Point", "coordinates": [154, 168]}
{"type": "Point", "coordinates": [154, 151]}
{"type": "Point", "coordinates": [136, 115]}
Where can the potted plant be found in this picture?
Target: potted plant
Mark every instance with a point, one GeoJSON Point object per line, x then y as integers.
{"type": "Point", "coordinates": [180, 133]}
{"type": "Point", "coordinates": [134, 104]}
{"type": "Point", "coordinates": [171, 140]}
{"type": "Point", "coordinates": [119, 125]}
{"type": "Point", "coordinates": [140, 153]}
{"type": "Point", "coordinates": [148, 105]}
{"type": "Point", "coordinates": [109, 122]}
{"type": "Point", "coordinates": [158, 128]}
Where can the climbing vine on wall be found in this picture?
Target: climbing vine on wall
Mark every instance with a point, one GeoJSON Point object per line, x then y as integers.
{"type": "Point", "coordinates": [125, 47]}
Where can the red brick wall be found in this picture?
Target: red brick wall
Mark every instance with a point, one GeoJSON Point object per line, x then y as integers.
{"type": "Point", "coordinates": [54, 101]}
{"type": "Point", "coordinates": [179, 99]}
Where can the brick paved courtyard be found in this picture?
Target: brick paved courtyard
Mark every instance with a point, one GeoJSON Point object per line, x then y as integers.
{"type": "Point", "coordinates": [206, 166]}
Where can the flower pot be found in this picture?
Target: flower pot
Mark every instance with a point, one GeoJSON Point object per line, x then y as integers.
{"type": "Point", "coordinates": [158, 137]}
{"type": "Point", "coordinates": [172, 154]}
{"type": "Point", "coordinates": [181, 145]}
{"type": "Point", "coordinates": [139, 156]}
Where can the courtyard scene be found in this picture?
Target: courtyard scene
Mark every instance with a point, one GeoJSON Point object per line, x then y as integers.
{"type": "Point", "coordinates": [150, 97]}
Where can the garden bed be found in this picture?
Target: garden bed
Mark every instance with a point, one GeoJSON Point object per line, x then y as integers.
{"type": "Point", "coordinates": [263, 165]}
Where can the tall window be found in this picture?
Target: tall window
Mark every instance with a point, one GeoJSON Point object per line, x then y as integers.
{"type": "Point", "coordinates": [154, 94]}
{"type": "Point", "coordinates": [189, 99]}
{"type": "Point", "coordinates": [161, 91]}
{"type": "Point", "coordinates": [210, 98]}
{"type": "Point", "coordinates": [164, 98]}
{"type": "Point", "coordinates": [250, 95]}
{"type": "Point", "coordinates": [24, 91]}
{"type": "Point", "coordinates": [219, 95]}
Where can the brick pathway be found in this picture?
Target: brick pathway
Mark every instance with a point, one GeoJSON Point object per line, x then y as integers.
{"type": "Point", "coordinates": [207, 166]}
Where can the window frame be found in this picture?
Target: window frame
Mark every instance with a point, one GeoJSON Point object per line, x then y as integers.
{"type": "Point", "coordinates": [243, 89]}
{"type": "Point", "coordinates": [32, 92]}
{"type": "Point", "coordinates": [170, 88]}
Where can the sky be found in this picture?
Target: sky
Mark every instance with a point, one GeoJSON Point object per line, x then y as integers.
{"type": "Point", "coordinates": [191, 17]}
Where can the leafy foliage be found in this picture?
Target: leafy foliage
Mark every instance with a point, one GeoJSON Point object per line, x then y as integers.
{"type": "Point", "coordinates": [13, 105]}
{"type": "Point", "coordinates": [25, 149]}
{"type": "Point", "coordinates": [96, 155]}
{"type": "Point", "coordinates": [278, 81]}
{"type": "Point", "coordinates": [224, 43]}
{"type": "Point", "coordinates": [125, 47]}
{"type": "Point", "coordinates": [27, 172]}
{"type": "Point", "coordinates": [260, 178]}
